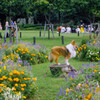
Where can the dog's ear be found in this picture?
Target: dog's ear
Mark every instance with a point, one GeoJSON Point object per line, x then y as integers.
{"type": "Point", "coordinates": [73, 42]}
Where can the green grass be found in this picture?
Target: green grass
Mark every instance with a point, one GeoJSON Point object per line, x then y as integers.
{"type": "Point", "coordinates": [48, 85]}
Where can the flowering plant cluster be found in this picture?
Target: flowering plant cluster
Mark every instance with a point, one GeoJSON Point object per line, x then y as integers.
{"type": "Point", "coordinates": [16, 84]}
{"type": "Point", "coordinates": [89, 51]}
{"type": "Point", "coordinates": [26, 52]}
{"type": "Point", "coordinates": [83, 85]}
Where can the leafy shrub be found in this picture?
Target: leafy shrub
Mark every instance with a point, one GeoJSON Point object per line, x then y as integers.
{"type": "Point", "coordinates": [89, 51]}
{"type": "Point", "coordinates": [31, 26]}
{"type": "Point", "coordinates": [18, 81]}
{"type": "Point", "coordinates": [81, 86]}
{"type": "Point", "coordinates": [26, 52]}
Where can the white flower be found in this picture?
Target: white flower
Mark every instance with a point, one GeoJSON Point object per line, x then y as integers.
{"type": "Point", "coordinates": [10, 96]}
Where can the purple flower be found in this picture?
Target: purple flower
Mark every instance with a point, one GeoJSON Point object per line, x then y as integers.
{"type": "Point", "coordinates": [29, 68]}
{"type": "Point", "coordinates": [64, 92]}
{"type": "Point", "coordinates": [83, 96]}
{"type": "Point", "coordinates": [66, 79]}
{"type": "Point", "coordinates": [60, 92]}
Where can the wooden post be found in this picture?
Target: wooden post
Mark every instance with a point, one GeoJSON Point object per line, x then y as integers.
{"type": "Point", "coordinates": [16, 34]}
{"type": "Point", "coordinates": [62, 38]}
{"type": "Point", "coordinates": [53, 30]}
{"type": "Point", "coordinates": [0, 38]}
{"type": "Point", "coordinates": [4, 39]}
{"type": "Point", "coordinates": [48, 34]}
{"type": "Point", "coordinates": [20, 35]}
{"type": "Point", "coordinates": [10, 34]}
{"type": "Point", "coordinates": [59, 33]}
{"type": "Point", "coordinates": [34, 40]}
{"type": "Point", "coordinates": [13, 37]}
{"type": "Point", "coordinates": [0, 35]}
{"type": "Point", "coordinates": [44, 30]}
{"type": "Point", "coordinates": [78, 33]}
{"type": "Point", "coordinates": [40, 33]}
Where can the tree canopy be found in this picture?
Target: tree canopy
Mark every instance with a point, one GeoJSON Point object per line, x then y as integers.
{"type": "Point", "coordinates": [51, 11]}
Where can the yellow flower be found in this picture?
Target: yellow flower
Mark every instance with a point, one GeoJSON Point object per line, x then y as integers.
{"type": "Point", "coordinates": [4, 67]}
{"type": "Point", "coordinates": [79, 84]}
{"type": "Point", "coordinates": [1, 62]}
{"type": "Point", "coordinates": [22, 89]}
{"type": "Point", "coordinates": [24, 97]}
{"type": "Point", "coordinates": [84, 47]}
{"type": "Point", "coordinates": [46, 56]}
{"type": "Point", "coordinates": [1, 85]}
{"type": "Point", "coordinates": [19, 65]}
{"type": "Point", "coordinates": [4, 77]}
{"type": "Point", "coordinates": [28, 78]}
{"type": "Point", "coordinates": [93, 66]}
{"type": "Point", "coordinates": [80, 48]}
{"type": "Point", "coordinates": [11, 74]}
{"type": "Point", "coordinates": [1, 90]}
{"type": "Point", "coordinates": [4, 86]}
{"type": "Point", "coordinates": [16, 79]}
{"type": "Point", "coordinates": [34, 79]}
{"type": "Point", "coordinates": [0, 70]}
{"type": "Point", "coordinates": [76, 51]}
{"type": "Point", "coordinates": [31, 59]}
{"type": "Point", "coordinates": [36, 87]}
{"type": "Point", "coordinates": [18, 73]}
{"type": "Point", "coordinates": [16, 50]}
{"type": "Point", "coordinates": [22, 72]}
{"type": "Point", "coordinates": [33, 54]}
{"type": "Point", "coordinates": [14, 71]}
{"type": "Point", "coordinates": [10, 79]}
{"type": "Point", "coordinates": [22, 85]}
{"type": "Point", "coordinates": [16, 85]}
{"type": "Point", "coordinates": [89, 96]}
{"type": "Point", "coordinates": [14, 89]}
{"type": "Point", "coordinates": [12, 58]}
{"type": "Point", "coordinates": [93, 41]}
{"type": "Point", "coordinates": [86, 99]}
{"type": "Point", "coordinates": [71, 89]}
{"type": "Point", "coordinates": [95, 71]}
{"type": "Point", "coordinates": [1, 79]}
{"type": "Point", "coordinates": [25, 79]}
{"type": "Point", "coordinates": [71, 78]}
{"type": "Point", "coordinates": [67, 90]}
{"type": "Point", "coordinates": [97, 89]}
{"type": "Point", "coordinates": [86, 85]}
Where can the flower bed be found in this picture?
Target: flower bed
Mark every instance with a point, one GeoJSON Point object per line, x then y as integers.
{"type": "Point", "coordinates": [25, 52]}
{"type": "Point", "coordinates": [82, 86]}
{"type": "Point", "coordinates": [16, 83]}
{"type": "Point", "coordinates": [89, 51]}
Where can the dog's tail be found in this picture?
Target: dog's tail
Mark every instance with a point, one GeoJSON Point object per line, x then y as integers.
{"type": "Point", "coordinates": [50, 57]}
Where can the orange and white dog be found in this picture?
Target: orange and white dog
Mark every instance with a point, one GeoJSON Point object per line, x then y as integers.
{"type": "Point", "coordinates": [67, 52]}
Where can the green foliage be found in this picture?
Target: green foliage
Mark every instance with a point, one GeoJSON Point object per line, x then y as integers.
{"type": "Point", "coordinates": [31, 27]}
{"type": "Point", "coordinates": [82, 85]}
{"type": "Point", "coordinates": [18, 82]}
{"type": "Point", "coordinates": [34, 55]}
{"type": "Point", "coordinates": [88, 51]}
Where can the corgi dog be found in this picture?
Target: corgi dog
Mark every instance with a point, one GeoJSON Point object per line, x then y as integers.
{"type": "Point", "coordinates": [67, 52]}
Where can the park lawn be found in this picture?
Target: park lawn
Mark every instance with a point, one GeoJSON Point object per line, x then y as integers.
{"type": "Point", "coordinates": [48, 86]}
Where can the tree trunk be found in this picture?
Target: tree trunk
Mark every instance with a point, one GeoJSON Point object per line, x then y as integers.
{"type": "Point", "coordinates": [27, 20]}
{"type": "Point", "coordinates": [3, 20]}
{"type": "Point", "coordinates": [59, 15]}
